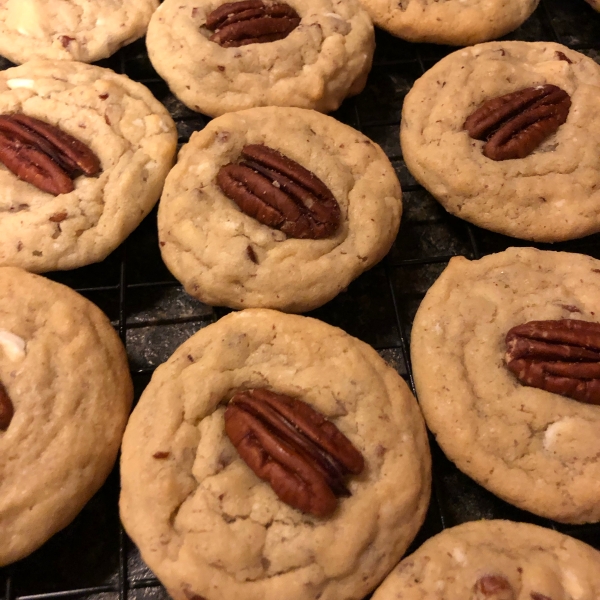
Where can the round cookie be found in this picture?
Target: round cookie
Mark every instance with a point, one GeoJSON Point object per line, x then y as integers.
{"type": "Point", "coordinates": [131, 133]}
{"type": "Point", "coordinates": [326, 58]}
{"type": "Point", "coordinates": [496, 559]}
{"type": "Point", "coordinates": [208, 527]}
{"type": "Point", "coordinates": [226, 257]}
{"type": "Point", "coordinates": [551, 195]}
{"type": "Point", "coordinates": [84, 30]}
{"type": "Point", "coordinates": [456, 23]}
{"type": "Point", "coordinates": [535, 449]}
{"type": "Point", "coordinates": [65, 372]}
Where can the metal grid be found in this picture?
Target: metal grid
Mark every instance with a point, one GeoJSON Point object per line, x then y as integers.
{"type": "Point", "coordinates": [93, 558]}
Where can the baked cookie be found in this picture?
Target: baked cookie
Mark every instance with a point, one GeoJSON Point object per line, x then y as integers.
{"type": "Point", "coordinates": [85, 30]}
{"type": "Point", "coordinates": [594, 4]}
{"type": "Point", "coordinates": [212, 242]}
{"type": "Point", "coordinates": [65, 394]}
{"type": "Point", "coordinates": [324, 56]}
{"type": "Point", "coordinates": [553, 193]}
{"type": "Point", "coordinates": [456, 23]}
{"type": "Point", "coordinates": [496, 559]}
{"type": "Point", "coordinates": [130, 133]}
{"type": "Point", "coordinates": [535, 448]}
{"type": "Point", "coordinates": [209, 527]}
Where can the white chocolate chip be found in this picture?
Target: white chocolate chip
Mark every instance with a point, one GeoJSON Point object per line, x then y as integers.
{"type": "Point", "coordinates": [459, 555]}
{"type": "Point", "coordinates": [572, 438]}
{"type": "Point", "coordinates": [13, 84]}
{"type": "Point", "coordinates": [12, 345]}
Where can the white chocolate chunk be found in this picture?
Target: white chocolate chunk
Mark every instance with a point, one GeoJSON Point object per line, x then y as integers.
{"type": "Point", "coordinates": [13, 84]}
{"type": "Point", "coordinates": [12, 345]}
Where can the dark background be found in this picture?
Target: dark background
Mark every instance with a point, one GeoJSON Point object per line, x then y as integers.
{"type": "Point", "coordinates": [93, 558]}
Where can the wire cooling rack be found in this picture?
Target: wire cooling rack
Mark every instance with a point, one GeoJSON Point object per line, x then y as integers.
{"type": "Point", "coordinates": [93, 558]}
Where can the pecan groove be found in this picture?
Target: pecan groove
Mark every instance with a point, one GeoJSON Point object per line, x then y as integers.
{"type": "Point", "coordinates": [302, 455]}
{"type": "Point", "coordinates": [251, 22]}
{"type": "Point", "coordinates": [515, 124]}
{"type": "Point", "coordinates": [280, 193]}
{"type": "Point", "coordinates": [561, 356]}
{"type": "Point", "coordinates": [7, 410]}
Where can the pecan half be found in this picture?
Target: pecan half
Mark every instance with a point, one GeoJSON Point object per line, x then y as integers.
{"type": "Point", "coordinates": [43, 155]}
{"type": "Point", "coordinates": [493, 586]}
{"type": "Point", "coordinates": [280, 193]}
{"type": "Point", "coordinates": [514, 125]}
{"type": "Point", "coordinates": [251, 22]}
{"type": "Point", "coordinates": [286, 442]}
{"type": "Point", "coordinates": [7, 409]}
{"type": "Point", "coordinates": [562, 357]}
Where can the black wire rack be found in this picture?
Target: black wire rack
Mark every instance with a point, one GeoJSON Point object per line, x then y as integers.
{"type": "Point", "coordinates": [93, 558]}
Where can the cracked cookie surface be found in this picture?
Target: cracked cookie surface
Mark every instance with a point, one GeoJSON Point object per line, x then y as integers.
{"type": "Point", "coordinates": [321, 62]}
{"type": "Point", "coordinates": [205, 238]}
{"type": "Point", "coordinates": [83, 30]}
{"type": "Point", "coordinates": [537, 450]}
{"type": "Point", "coordinates": [551, 195]}
{"type": "Point", "coordinates": [208, 527]}
{"type": "Point", "coordinates": [454, 22]}
{"type": "Point", "coordinates": [517, 560]}
{"type": "Point", "coordinates": [131, 133]}
{"type": "Point", "coordinates": [65, 372]}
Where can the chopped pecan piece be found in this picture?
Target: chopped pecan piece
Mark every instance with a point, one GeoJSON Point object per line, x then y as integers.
{"type": "Point", "coordinates": [251, 22]}
{"type": "Point", "coordinates": [286, 442]}
{"type": "Point", "coordinates": [43, 155]}
{"type": "Point", "coordinates": [562, 357]}
{"type": "Point", "coordinates": [514, 125]}
{"type": "Point", "coordinates": [7, 409]}
{"type": "Point", "coordinates": [496, 587]}
{"type": "Point", "coordinates": [280, 193]}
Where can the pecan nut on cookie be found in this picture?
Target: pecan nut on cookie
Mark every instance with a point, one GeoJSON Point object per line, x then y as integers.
{"type": "Point", "coordinates": [456, 23]}
{"type": "Point", "coordinates": [506, 136]}
{"type": "Point", "coordinates": [277, 208]}
{"type": "Point", "coordinates": [65, 395]}
{"type": "Point", "coordinates": [496, 560]}
{"type": "Point", "coordinates": [85, 30]}
{"type": "Point", "coordinates": [84, 153]}
{"type": "Point", "coordinates": [274, 456]}
{"type": "Point", "coordinates": [506, 358]}
{"type": "Point", "coordinates": [219, 57]}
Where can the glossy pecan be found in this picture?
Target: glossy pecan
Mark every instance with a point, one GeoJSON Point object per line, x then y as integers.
{"type": "Point", "coordinates": [557, 356]}
{"type": "Point", "coordinates": [493, 586]}
{"type": "Point", "coordinates": [251, 22]}
{"type": "Point", "coordinates": [280, 193]}
{"type": "Point", "coordinates": [514, 125]}
{"type": "Point", "coordinates": [7, 409]}
{"type": "Point", "coordinates": [286, 442]}
{"type": "Point", "coordinates": [43, 155]}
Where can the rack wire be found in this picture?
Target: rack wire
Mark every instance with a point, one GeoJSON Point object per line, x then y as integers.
{"type": "Point", "coordinates": [93, 558]}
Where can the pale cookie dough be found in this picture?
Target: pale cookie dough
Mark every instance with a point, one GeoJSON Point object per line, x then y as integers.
{"type": "Point", "coordinates": [85, 30]}
{"type": "Point", "coordinates": [551, 195]}
{"type": "Point", "coordinates": [65, 371]}
{"type": "Point", "coordinates": [454, 22]}
{"type": "Point", "coordinates": [537, 450]}
{"type": "Point", "coordinates": [321, 62]}
{"type": "Point", "coordinates": [531, 562]}
{"type": "Point", "coordinates": [205, 237]}
{"type": "Point", "coordinates": [209, 528]}
{"type": "Point", "coordinates": [129, 130]}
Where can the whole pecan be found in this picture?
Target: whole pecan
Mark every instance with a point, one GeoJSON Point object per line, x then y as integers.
{"type": "Point", "coordinates": [557, 356]}
{"type": "Point", "coordinates": [286, 442]}
{"type": "Point", "coordinates": [251, 22]}
{"type": "Point", "coordinates": [7, 409]}
{"type": "Point", "coordinates": [43, 155]}
{"type": "Point", "coordinates": [280, 193]}
{"type": "Point", "coordinates": [514, 125]}
{"type": "Point", "coordinates": [493, 586]}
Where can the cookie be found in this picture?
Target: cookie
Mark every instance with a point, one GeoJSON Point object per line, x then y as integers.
{"type": "Point", "coordinates": [209, 527]}
{"type": "Point", "coordinates": [456, 23]}
{"type": "Point", "coordinates": [594, 4]}
{"type": "Point", "coordinates": [536, 449]}
{"type": "Point", "coordinates": [84, 30]}
{"type": "Point", "coordinates": [65, 394]}
{"type": "Point", "coordinates": [550, 195]}
{"type": "Point", "coordinates": [496, 559]}
{"type": "Point", "coordinates": [225, 256]}
{"type": "Point", "coordinates": [129, 131]}
{"type": "Point", "coordinates": [324, 59]}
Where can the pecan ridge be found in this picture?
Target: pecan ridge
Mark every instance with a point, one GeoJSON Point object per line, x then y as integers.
{"type": "Point", "coordinates": [286, 442]}
{"type": "Point", "coordinates": [515, 124]}
{"type": "Point", "coordinates": [7, 410]}
{"type": "Point", "coordinates": [251, 22]}
{"type": "Point", "coordinates": [280, 193]}
{"type": "Point", "coordinates": [561, 356]}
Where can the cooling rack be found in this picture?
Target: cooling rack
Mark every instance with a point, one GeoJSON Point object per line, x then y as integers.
{"type": "Point", "coordinates": [93, 558]}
